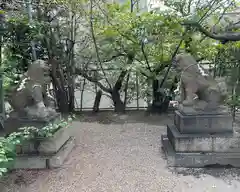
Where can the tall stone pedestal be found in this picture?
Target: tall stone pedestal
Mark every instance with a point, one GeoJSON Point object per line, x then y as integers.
{"type": "Point", "coordinates": [202, 141]}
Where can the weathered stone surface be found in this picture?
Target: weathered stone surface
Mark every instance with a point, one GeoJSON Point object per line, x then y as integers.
{"type": "Point", "coordinates": [204, 123]}
{"type": "Point", "coordinates": [45, 161]}
{"type": "Point", "coordinates": [54, 143]}
{"type": "Point", "coordinates": [58, 159]}
{"type": "Point", "coordinates": [222, 142]}
{"type": "Point", "coordinates": [18, 149]}
{"type": "Point", "coordinates": [227, 143]}
{"type": "Point", "coordinates": [198, 160]}
{"type": "Point", "coordinates": [28, 148]}
{"type": "Point", "coordinates": [31, 98]}
{"type": "Point", "coordinates": [30, 162]}
{"type": "Point", "coordinates": [12, 124]}
{"type": "Point", "coordinates": [189, 142]}
{"type": "Point", "coordinates": [199, 91]}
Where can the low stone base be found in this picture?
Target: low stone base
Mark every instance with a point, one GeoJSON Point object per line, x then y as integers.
{"type": "Point", "coordinates": [220, 142]}
{"type": "Point", "coordinates": [198, 159]}
{"type": "Point", "coordinates": [12, 124]}
{"type": "Point", "coordinates": [45, 161]}
{"type": "Point", "coordinates": [203, 123]}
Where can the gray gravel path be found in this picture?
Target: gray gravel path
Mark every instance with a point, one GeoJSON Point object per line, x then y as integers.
{"type": "Point", "coordinates": [121, 158]}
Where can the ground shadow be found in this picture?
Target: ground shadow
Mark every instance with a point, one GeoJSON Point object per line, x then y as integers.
{"type": "Point", "coordinates": [226, 173]}
{"type": "Point", "coordinates": [21, 177]}
{"type": "Point", "coordinates": [109, 117]}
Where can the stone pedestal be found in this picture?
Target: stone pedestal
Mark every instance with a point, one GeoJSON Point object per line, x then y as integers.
{"type": "Point", "coordinates": [201, 141]}
{"type": "Point", "coordinates": [42, 153]}
{"type": "Point", "coordinates": [12, 124]}
{"type": "Point", "coordinates": [203, 123]}
{"type": "Point", "coordinates": [44, 159]}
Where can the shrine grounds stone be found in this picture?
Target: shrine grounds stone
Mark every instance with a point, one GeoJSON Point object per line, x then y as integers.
{"type": "Point", "coordinates": [185, 145]}
{"type": "Point", "coordinates": [55, 160]}
{"type": "Point", "coordinates": [41, 153]}
{"type": "Point", "coordinates": [203, 123]}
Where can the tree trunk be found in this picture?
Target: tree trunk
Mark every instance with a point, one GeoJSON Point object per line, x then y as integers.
{"type": "Point", "coordinates": [155, 86]}
{"type": "Point", "coordinates": [62, 101]}
{"type": "Point", "coordinates": [126, 90]}
{"type": "Point", "coordinates": [118, 104]}
{"type": "Point", "coordinates": [60, 90]}
{"type": "Point", "coordinates": [71, 92]}
{"type": "Point", "coordinates": [160, 101]}
{"type": "Point", "coordinates": [97, 101]}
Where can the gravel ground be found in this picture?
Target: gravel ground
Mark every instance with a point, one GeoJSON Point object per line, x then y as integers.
{"type": "Point", "coordinates": [121, 157]}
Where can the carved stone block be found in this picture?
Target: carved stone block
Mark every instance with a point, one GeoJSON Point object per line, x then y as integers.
{"type": "Point", "coordinates": [203, 123]}
{"type": "Point", "coordinates": [54, 143]}
{"type": "Point", "coordinates": [221, 142]}
{"type": "Point", "coordinates": [198, 159]}
{"type": "Point", "coordinates": [189, 142]}
{"type": "Point", "coordinates": [12, 124]}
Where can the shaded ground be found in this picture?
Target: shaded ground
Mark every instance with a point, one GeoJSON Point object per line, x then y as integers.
{"type": "Point", "coordinates": [112, 156]}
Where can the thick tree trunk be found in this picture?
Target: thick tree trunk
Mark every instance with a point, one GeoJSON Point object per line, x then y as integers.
{"type": "Point", "coordinates": [118, 104]}
{"type": "Point", "coordinates": [62, 101]}
{"type": "Point", "coordinates": [97, 101]}
{"type": "Point", "coordinates": [71, 93]}
{"type": "Point", "coordinates": [160, 101]}
{"type": "Point", "coordinates": [60, 91]}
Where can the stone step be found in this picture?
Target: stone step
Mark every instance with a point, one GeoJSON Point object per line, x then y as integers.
{"type": "Point", "coordinates": [58, 159]}
{"type": "Point", "coordinates": [198, 160]}
{"type": "Point", "coordinates": [45, 146]}
{"type": "Point", "coordinates": [45, 161]}
{"type": "Point", "coordinates": [53, 144]}
{"type": "Point", "coordinates": [203, 123]}
{"type": "Point", "coordinates": [221, 142]}
{"type": "Point", "coordinates": [12, 124]}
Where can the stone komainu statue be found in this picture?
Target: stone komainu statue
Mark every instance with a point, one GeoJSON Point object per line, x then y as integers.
{"type": "Point", "coordinates": [199, 91]}
{"type": "Point", "coordinates": [30, 98]}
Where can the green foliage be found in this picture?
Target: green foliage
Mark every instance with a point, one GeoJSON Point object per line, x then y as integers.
{"type": "Point", "coordinates": [8, 144]}
{"type": "Point", "coordinates": [16, 50]}
{"type": "Point", "coordinates": [118, 31]}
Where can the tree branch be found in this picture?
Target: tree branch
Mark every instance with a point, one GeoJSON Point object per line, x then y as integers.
{"type": "Point", "coordinates": [170, 65]}
{"type": "Point", "coordinates": [91, 79]}
{"type": "Point", "coordinates": [120, 79]}
{"type": "Point", "coordinates": [226, 36]}
{"type": "Point", "coordinates": [114, 57]}
{"type": "Point", "coordinates": [145, 56]}
{"type": "Point", "coordinates": [95, 42]}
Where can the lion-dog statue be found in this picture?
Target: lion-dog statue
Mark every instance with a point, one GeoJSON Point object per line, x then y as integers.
{"type": "Point", "coordinates": [198, 90]}
{"type": "Point", "coordinates": [31, 98]}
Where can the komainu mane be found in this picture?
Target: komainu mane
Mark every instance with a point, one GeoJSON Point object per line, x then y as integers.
{"type": "Point", "coordinates": [30, 98]}
{"type": "Point", "coordinates": [199, 91]}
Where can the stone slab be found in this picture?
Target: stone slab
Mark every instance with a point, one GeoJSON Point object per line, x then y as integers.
{"type": "Point", "coordinates": [221, 142]}
{"type": "Point", "coordinates": [46, 161]}
{"type": "Point", "coordinates": [28, 147]}
{"type": "Point", "coordinates": [227, 144]}
{"type": "Point", "coordinates": [30, 162]}
{"type": "Point", "coordinates": [54, 143]}
{"type": "Point", "coordinates": [194, 110]}
{"type": "Point", "coordinates": [12, 124]}
{"type": "Point", "coordinates": [203, 123]}
{"type": "Point", "coordinates": [197, 160]}
{"type": "Point", "coordinates": [58, 159]}
{"type": "Point", "coordinates": [47, 145]}
{"type": "Point", "coordinates": [189, 142]}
